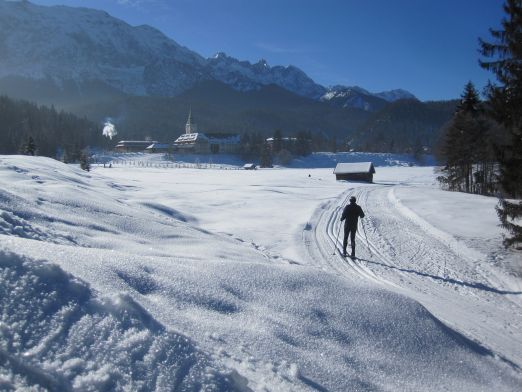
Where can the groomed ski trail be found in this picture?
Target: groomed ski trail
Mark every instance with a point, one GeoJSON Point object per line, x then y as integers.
{"type": "Point", "coordinates": [411, 257]}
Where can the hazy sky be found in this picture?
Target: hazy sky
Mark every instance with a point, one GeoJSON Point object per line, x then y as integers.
{"type": "Point", "coordinates": [429, 47]}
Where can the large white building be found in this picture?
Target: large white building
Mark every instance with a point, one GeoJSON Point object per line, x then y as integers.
{"type": "Point", "coordinates": [196, 142]}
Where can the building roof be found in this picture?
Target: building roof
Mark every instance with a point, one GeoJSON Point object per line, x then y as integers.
{"type": "Point", "coordinates": [190, 138]}
{"type": "Point", "coordinates": [354, 167]}
{"type": "Point", "coordinates": [220, 138]}
{"type": "Point", "coordinates": [158, 146]}
{"type": "Point", "coordinates": [122, 143]}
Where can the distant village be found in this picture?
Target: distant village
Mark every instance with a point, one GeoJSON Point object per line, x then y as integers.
{"type": "Point", "coordinates": [192, 142]}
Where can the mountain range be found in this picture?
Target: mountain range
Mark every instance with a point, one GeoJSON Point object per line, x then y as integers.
{"type": "Point", "coordinates": [85, 45]}
{"type": "Point", "coordinates": [84, 60]}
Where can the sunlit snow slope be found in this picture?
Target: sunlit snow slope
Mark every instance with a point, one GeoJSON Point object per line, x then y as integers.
{"type": "Point", "coordinates": [118, 279]}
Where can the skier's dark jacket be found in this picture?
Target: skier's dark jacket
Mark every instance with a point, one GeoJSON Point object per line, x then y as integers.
{"type": "Point", "coordinates": [351, 213]}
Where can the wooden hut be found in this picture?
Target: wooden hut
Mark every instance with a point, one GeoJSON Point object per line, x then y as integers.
{"type": "Point", "coordinates": [359, 171]}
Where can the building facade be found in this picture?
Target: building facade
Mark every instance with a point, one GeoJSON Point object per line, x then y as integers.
{"type": "Point", "coordinates": [196, 142]}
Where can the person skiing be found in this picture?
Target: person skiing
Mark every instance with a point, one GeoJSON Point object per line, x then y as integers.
{"type": "Point", "coordinates": [351, 214]}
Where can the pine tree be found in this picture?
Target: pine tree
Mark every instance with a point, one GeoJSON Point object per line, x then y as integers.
{"type": "Point", "coordinates": [266, 156]}
{"type": "Point", "coordinates": [30, 146]}
{"type": "Point", "coordinates": [278, 141]}
{"type": "Point", "coordinates": [504, 56]}
{"type": "Point", "coordinates": [84, 160]}
{"type": "Point", "coordinates": [462, 139]}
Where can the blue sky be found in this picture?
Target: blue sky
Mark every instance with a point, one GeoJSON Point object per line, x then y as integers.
{"type": "Point", "coordinates": [429, 47]}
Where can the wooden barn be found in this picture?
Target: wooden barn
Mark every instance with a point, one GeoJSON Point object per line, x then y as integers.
{"type": "Point", "coordinates": [359, 171]}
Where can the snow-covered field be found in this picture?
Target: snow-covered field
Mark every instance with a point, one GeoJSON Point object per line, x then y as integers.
{"type": "Point", "coordinates": [184, 279]}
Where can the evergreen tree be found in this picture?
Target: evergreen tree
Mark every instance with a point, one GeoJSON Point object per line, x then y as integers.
{"type": "Point", "coordinates": [84, 160]}
{"type": "Point", "coordinates": [266, 156]}
{"type": "Point", "coordinates": [302, 144]}
{"type": "Point", "coordinates": [278, 141]}
{"type": "Point", "coordinates": [504, 59]}
{"type": "Point", "coordinates": [458, 143]}
{"type": "Point", "coordinates": [30, 146]}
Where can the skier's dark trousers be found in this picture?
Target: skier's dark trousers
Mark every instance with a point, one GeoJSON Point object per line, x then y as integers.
{"type": "Point", "coordinates": [351, 214]}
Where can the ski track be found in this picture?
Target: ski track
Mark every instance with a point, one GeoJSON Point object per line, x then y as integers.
{"type": "Point", "coordinates": [412, 257]}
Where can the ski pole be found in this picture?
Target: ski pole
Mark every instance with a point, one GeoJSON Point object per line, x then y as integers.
{"type": "Point", "coordinates": [335, 245]}
{"type": "Point", "coordinates": [367, 242]}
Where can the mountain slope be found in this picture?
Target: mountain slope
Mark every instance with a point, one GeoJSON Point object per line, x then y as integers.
{"type": "Point", "coordinates": [404, 125]}
{"type": "Point", "coordinates": [69, 46]}
{"type": "Point", "coordinates": [219, 108]}
{"type": "Point", "coordinates": [79, 44]}
{"type": "Point", "coordinates": [244, 76]}
{"type": "Point", "coordinates": [82, 45]}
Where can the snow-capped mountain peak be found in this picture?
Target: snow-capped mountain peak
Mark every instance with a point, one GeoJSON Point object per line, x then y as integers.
{"type": "Point", "coordinates": [81, 45]}
{"type": "Point", "coordinates": [245, 76]}
{"type": "Point", "coordinates": [358, 97]}
{"type": "Point", "coordinates": [395, 95]}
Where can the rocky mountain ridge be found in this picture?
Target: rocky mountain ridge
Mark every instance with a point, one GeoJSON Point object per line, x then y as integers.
{"type": "Point", "coordinates": [82, 46]}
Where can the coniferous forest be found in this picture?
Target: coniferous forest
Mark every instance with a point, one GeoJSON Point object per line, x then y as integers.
{"type": "Point", "coordinates": [482, 145]}
{"type": "Point", "coordinates": [27, 128]}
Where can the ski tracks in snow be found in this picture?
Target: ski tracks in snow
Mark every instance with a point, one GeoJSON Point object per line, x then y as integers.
{"type": "Point", "coordinates": [412, 257]}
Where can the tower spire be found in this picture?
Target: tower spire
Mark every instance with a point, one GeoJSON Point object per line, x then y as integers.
{"type": "Point", "coordinates": [190, 127]}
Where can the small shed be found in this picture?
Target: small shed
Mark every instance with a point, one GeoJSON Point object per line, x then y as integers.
{"type": "Point", "coordinates": [250, 166]}
{"type": "Point", "coordinates": [359, 171]}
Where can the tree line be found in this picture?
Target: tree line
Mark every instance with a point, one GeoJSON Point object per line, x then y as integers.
{"type": "Point", "coordinates": [282, 149]}
{"type": "Point", "coordinates": [26, 128]}
{"type": "Point", "coordinates": [481, 147]}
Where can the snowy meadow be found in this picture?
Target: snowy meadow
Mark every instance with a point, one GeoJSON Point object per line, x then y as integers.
{"type": "Point", "coordinates": [152, 278]}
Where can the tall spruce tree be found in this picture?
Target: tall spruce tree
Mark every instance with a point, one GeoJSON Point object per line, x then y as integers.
{"type": "Point", "coordinates": [265, 159]}
{"type": "Point", "coordinates": [461, 139]}
{"type": "Point", "coordinates": [504, 58]}
{"type": "Point", "coordinates": [84, 160]}
{"type": "Point", "coordinates": [30, 146]}
{"type": "Point", "coordinates": [277, 144]}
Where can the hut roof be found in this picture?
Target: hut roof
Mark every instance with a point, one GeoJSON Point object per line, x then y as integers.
{"type": "Point", "coordinates": [129, 143]}
{"type": "Point", "coordinates": [158, 146]}
{"type": "Point", "coordinates": [355, 167]}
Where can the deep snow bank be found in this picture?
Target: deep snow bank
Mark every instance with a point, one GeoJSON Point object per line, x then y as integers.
{"type": "Point", "coordinates": [160, 297]}
{"type": "Point", "coordinates": [57, 334]}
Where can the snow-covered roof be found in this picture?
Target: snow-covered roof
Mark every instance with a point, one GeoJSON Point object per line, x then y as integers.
{"type": "Point", "coordinates": [354, 167]}
{"type": "Point", "coordinates": [286, 139]}
{"type": "Point", "coordinates": [122, 143]}
{"type": "Point", "coordinates": [211, 138]}
{"type": "Point", "coordinates": [157, 146]}
{"type": "Point", "coordinates": [190, 138]}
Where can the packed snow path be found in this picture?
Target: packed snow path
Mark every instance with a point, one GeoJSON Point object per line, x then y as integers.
{"type": "Point", "coordinates": [401, 251]}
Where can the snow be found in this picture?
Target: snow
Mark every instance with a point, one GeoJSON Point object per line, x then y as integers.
{"type": "Point", "coordinates": [359, 167]}
{"type": "Point", "coordinates": [184, 279]}
{"type": "Point", "coordinates": [339, 91]}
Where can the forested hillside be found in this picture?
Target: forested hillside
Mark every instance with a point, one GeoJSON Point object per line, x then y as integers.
{"type": "Point", "coordinates": [404, 126]}
{"type": "Point", "coordinates": [53, 132]}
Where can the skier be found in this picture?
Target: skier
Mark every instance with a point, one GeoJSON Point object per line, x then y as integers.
{"type": "Point", "coordinates": [350, 216]}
